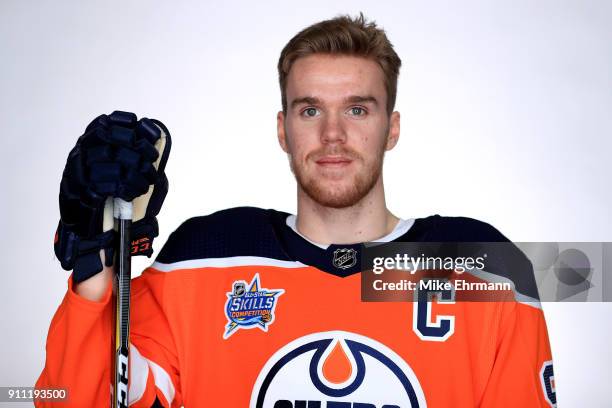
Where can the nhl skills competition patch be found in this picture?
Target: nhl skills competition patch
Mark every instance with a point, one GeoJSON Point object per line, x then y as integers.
{"type": "Point", "coordinates": [250, 307]}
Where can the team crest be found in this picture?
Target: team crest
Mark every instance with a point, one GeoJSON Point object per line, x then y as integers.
{"type": "Point", "coordinates": [249, 307]}
{"type": "Point", "coordinates": [336, 369]}
{"type": "Point", "coordinates": [344, 258]}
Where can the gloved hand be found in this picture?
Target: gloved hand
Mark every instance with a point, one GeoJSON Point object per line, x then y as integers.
{"type": "Point", "coordinates": [118, 156]}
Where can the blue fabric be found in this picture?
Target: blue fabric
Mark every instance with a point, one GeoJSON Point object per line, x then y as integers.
{"type": "Point", "coordinates": [113, 158]}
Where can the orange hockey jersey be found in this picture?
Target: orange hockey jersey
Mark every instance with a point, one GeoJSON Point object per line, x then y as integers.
{"type": "Point", "coordinates": [240, 310]}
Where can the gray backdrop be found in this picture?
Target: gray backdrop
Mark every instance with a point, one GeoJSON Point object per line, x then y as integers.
{"type": "Point", "coordinates": [505, 117]}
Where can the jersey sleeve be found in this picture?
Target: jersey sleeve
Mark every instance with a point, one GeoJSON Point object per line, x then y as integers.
{"type": "Point", "coordinates": [79, 349]}
{"type": "Point", "coordinates": [522, 373]}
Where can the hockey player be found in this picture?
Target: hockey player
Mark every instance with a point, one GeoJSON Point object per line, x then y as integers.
{"type": "Point", "coordinates": [260, 308]}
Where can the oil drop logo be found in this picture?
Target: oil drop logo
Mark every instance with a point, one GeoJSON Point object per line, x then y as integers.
{"type": "Point", "coordinates": [336, 369]}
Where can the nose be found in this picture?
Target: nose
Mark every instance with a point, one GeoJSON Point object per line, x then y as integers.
{"type": "Point", "coordinates": [333, 130]}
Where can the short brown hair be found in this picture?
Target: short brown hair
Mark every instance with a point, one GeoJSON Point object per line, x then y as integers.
{"type": "Point", "coordinates": [345, 36]}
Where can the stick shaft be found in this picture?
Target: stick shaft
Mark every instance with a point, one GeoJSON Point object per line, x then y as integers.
{"type": "Point", "coordinates": [123, 212]}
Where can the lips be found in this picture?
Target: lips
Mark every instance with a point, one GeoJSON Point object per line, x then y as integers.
{"type": "Point", "coordinates": [334, 161]}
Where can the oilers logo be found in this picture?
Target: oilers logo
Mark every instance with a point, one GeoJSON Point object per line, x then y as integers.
{"type": "Point", "coordinates": [250, 307]}
{"type": "Point", "coordinates": [336, 370]}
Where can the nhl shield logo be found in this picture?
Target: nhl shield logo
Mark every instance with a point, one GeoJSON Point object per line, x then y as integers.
{"type": "Point", "coordinates": [344, 258]}
{"type": "Point", "coordinates": [239, 288]}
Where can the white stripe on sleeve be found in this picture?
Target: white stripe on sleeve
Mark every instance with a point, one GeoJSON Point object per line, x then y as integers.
{"type": "Point", "coordinates": [139, 372]}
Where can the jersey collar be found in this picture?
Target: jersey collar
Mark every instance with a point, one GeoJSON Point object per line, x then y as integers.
{"type": "Point", "coordinates": [338, 259]}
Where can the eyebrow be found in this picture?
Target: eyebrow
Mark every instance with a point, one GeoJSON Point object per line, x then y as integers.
{"type": "Point", "coordinates": [311, 100]}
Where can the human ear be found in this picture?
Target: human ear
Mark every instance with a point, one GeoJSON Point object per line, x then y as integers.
{"type": "Point", "coordinates": [280, 131]}
{"type": "Point", "coordinates": [394, 130]}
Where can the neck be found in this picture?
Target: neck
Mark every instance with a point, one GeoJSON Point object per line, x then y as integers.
{"type": "Point", "coordinates": [367, 220]}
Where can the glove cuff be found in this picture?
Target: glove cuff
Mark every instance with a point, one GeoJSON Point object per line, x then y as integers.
{"type": "Point", "coordinates": [82, 256]}
{"type": "Point", "coordinates": [143, 232]}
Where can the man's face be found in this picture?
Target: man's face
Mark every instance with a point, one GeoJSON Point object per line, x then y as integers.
{"type": "Point", "coordinates": [336, 129]}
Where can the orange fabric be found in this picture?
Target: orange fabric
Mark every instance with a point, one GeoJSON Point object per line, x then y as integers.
{"type": "Point", "coordinates": [493, 358]}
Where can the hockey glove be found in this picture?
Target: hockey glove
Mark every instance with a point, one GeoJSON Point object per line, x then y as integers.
{"type": "Point", "coordinates": [118, 156]}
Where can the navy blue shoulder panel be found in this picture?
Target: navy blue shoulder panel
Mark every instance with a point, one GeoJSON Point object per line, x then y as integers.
{"type": "Point", "coordinates": [436, 228]}
{"type": "Point", "coordinates": [241, 231]}
{"type": "Point", "coordinates": [504, 260]}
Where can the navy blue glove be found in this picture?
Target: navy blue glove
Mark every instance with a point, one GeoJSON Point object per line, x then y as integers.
{"type": "Point", "coordinates": [118, 156]}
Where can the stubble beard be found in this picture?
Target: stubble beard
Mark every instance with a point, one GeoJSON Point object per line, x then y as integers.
{"type": "Point", "coordinates": [347, 195]}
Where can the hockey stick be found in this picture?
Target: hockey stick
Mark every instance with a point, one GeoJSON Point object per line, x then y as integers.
{"type": "Point", "coordinates": [123, 213]}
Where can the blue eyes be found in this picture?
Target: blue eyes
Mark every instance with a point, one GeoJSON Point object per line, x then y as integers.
{"type": "Point", "coordinates": [353, 111]}
{"type": "Point", "coordinates": [358, 111]}
{"type": "Point", "coordinates": [310, 112]}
